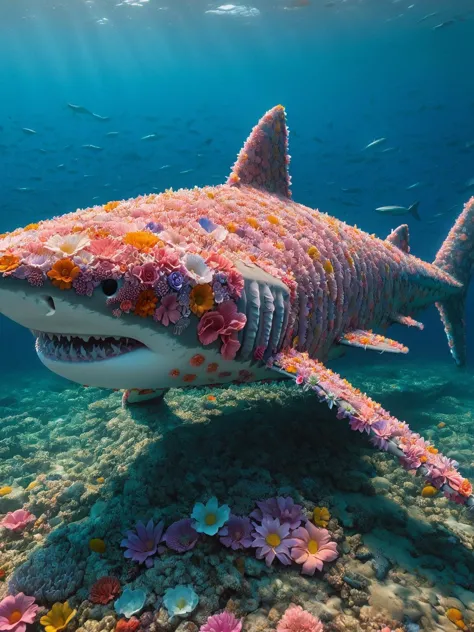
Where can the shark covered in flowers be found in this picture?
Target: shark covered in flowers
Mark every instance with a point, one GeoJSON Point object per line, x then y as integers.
{"type": "Point", "coordinates": [233, 283]}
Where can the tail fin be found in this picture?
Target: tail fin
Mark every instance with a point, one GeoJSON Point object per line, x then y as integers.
{"type": "Point", "coordinates": [413, 209]}
{"type": "Point", "coordinates": [456, 257]}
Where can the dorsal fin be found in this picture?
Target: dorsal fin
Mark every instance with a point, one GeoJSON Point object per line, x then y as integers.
{"type": "Point", "coordinates": [400, 238]}
{"type": "Point", "coordinates": [263, 160]}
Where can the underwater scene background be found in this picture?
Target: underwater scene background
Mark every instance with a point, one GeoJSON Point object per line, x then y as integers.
{"type": "Point", "coordinates": [106, 100]}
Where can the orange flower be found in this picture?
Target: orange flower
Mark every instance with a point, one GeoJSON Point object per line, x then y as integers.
{"type": "Point", "coordinates": [190, 377]}
{"type": "Point", "coordinates": [9, 263]}
{"type": "Point", "coordinates": [465, 488]}
{"type": "Point", "coordinates": [31, 227]}
{"type": "Point", "coordinates": [211, 398]}
{"type": "Point", "coordinates": [63, 273]}
{"type": "Point", "coordinates": [231, 227]}
{"type": "Point", "coordinates": [197, 360]}
{"type": "Point", "coordinates": [253, 222]}
{"type": "Point", "coordinates": [273, 220]}
{"type": "Point", "coordinates": [201, 299]}
{"type": "Point", "coordinates": [212, 368]}
{"type": "Point", "coordinates": [141, 240]}
{"type": "Point", "coordinates": [313, 252]}
{"type": "Point", "coordinates": [110, 206]}
{"type": "Point", "coordinates": [146, 303]}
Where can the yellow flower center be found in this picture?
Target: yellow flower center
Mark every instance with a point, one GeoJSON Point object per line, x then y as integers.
{"type": "Point", "coordinates": [273, 539]}
{"type": "Point", "coordinates": [14, 617]}
{"type": "Point", "coordinates": [210, 519]}
{"type": "Point", "coordinates": [181, 603]}
{"type": "Point", "coordinates": [67, 248]}
{"type": "Point", "coordinates": [313, 547]}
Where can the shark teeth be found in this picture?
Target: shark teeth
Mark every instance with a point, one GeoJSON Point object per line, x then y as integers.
{"type": "Point", "coordinates": [83, 348]}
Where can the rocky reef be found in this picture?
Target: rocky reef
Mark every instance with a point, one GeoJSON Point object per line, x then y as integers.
{"type": "Point", "coordinates": [87, 470]}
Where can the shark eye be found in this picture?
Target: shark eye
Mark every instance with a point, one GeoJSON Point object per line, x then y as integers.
{"type": "Point", "coordinates": [109, 287]}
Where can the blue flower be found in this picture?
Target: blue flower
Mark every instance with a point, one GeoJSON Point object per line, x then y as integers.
{"type": "Point", "coordinates": [130, 602]}
{"type": "Point", "coordinates": [180, 600]}
{"type": "Point", "coordinates": [154, 227]}
{"type": "Point", "coordinates": [207, 224]}
{"type": "Point", "coordinates": [209, 518]}
{"type": "Point", "coordinates": [175, 280]}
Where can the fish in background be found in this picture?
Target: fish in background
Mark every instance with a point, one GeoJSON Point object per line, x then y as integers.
{"type": "Point", "coordinates": [400, 210]}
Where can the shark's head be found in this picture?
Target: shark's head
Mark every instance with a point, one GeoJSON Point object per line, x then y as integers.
{"type": "Point", "coordinates": [116, 298]}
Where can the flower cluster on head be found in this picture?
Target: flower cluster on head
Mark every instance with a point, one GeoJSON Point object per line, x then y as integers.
{"type": "Point", "coordinates": [170, 274]}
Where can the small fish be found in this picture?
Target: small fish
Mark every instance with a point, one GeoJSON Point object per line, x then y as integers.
{"type": "Point", "coordinates": [28, 130]}
{"type": "Point", "coordinates": [186, 171]}
{"type": "Point", "coordinates": [351, 189]}
{"type": "Point", "coordinates": [112, 133]}
{"type": "Point", "coordinates": [374, 143]}
{"type": "Point", "coordinates": [164, 167]}
{"type": "Point", "coordinates": [93, 147]}
{"type": "Point", "coordinates": [427, 17]}
{"type": "Point", "coordinates": [150, 137]}
{"type": "Point", "coordinates": [79, 109]}
{"type": "Point", "coordinates": [400, 210]}
{"type": "Point", "coordinates": [24, 189]}
{"type": "Point", "coordinates": [415, 185]}
{"type": "Point", "coordinates": [101, 118]}
{"type": "Point", "coordinates": [443, 25]}
{"type": "Point", "coordinates": [388, 150]}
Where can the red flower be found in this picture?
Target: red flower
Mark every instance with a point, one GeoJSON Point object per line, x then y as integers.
{"type": "Point", "coordinates": [104, 590]}
{"type": "Point", "coordinates": [127, 626]}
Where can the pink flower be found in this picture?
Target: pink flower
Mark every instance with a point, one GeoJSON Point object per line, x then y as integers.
{"type": "Point", "coordinates": [223, 622]}
{"type": "Point", "coordinates": [219, 262]}
{"type": "Point", "coordinates": [209, 327]}
{"type": "Point", "coordinates": [235, 281]}
{"type": "Point", "coordinates": [295, 619]}
{"type": "Point", "coordinates": [16, 611]}
{"type": "Point", "coordinates": [167, 258]}
{"type": "Point", "coordinates": [168, 311]}
{"type": "Point", "coordinates": [17, 520]}
{"type": "Point", "coordinates": [147, 273]}
{"type": "Point", "coordinates": [126, 306]}
{"type": "Point", "coordinates": [233, 320]}
{"type": "Point", "coordinates": [311, 547]}
{"type": "Point", "coordinates": [230, 346]}
{"type": "Point", "coordinates": [225, 322]}
{"type": "Point", "coordinates": [103, 248]}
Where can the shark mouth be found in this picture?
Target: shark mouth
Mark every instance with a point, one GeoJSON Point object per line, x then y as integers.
{"type": "Point", "coordinates": [74, 348]}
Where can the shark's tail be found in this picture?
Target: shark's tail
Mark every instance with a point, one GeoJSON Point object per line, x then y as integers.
{"type": "Point", "coordinates": [456, 257]}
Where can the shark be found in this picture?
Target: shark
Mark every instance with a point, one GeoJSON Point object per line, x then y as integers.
{"type": "Point", "coordinates": [235, 283]}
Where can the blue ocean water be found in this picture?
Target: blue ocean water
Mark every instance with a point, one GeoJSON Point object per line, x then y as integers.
{"type": "Point", "coordinates": [106, 100]}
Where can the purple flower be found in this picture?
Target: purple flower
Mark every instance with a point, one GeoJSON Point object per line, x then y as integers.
{"type": "Point", "coordinates": [143, 543]}
{"type": "Point", "coordinates": [181, 536]}
{"type": "Point", "coordinates": [175, 280]}
{"type": "Point", "coordinates": [35, 277]}
{"type": "Point", "coordinates": [284, 509]}
{"type": "Point", "coordinates": [237, 533]}
{"type": "Point", "coordinates": [162, 288]}
{"type": "Point", "coordinates": [84, 283]}
{"type": "Point", "coordinates": [154, 227]}
{"type": "Point", "coordinates": [271, 539]}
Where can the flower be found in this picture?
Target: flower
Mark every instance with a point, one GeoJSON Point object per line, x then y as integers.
{"type": "Point", "coordinates": [181, 536]}
{"type": "Point", "coordinates": [141, 240]}
{"type": "Point", "coordinates": [175, 280]}
{"type": "Point", "coordinates": [146, 303]}
{"type": "Point", "coordinates": [284, 509]}
{"type": "Point", "coordinates": [271, 540]}
{"type": "Point", "coordinates": [210, 326]}
{"type": "Point", "coordinates": [180, 600]}
{"type": "Point", "coordinates": [201, 299]}
{"type": "Point", "coordinates": [143, 543]}
{"type": "Point", "coordinates": [58, 617]}
{"type": "Point", "coordinates": [237, 533]}
{"type": "Point", "coordinates": [209, 518]}
{"type": "Point", "coordinates": [173, 238]}
{"type": "Point", "coordinates": [223, 622]}
{"type": "Point", "coordinates": [67, 245]}
{"type": "Point", "coordinates": [103, 248]}
{"type": "Point", "coordinates": [9, 263]}
{"type": "Point", "coordinates": [130, 602]}
{"type": "Point", "coordinates": [16, 611]}
{"type": "Point", "coordinates": [197, 269]}
{"type": "Point", "coordinates": [223, 322]}
{"type": "Point", "coordinates": [311, 547]}
{"type": "Point", "coordinates": [321, 516]}
{"type": "Point", "coordinates": [154, 227]}
{"type": "Point", "coordinates": [97, 545]}
{"type": "Point", "coordinates": [17, 520]}
{"type": "Point", "coordinates": [127, 626]}
{"type": "Point", "coordinates": [147, 273]}
{"type": "Point", "coordinates": [168, 311]}
{"type": "Point", "coordinates": [104, 590]}
{"type": "Point", "coordinates": [295, 619]}
{"type": "Point", "coordinates": [63, 273]}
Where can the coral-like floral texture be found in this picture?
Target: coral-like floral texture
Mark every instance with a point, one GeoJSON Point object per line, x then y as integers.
{"type": "Point", "coordinates": [104, 590]}
{"type": "Point", "coordinates": [295, 619]}
{"type": "Point", "coordinates": [223, 622]}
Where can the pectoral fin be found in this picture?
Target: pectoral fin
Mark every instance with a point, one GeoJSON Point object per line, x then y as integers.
{"type": "Point", "coordinates": [369, 340]}
{"type": "Point", "coordinates": [386, 432]}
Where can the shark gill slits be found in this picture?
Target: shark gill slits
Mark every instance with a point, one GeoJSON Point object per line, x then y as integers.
{"type": "Point", "coordinates": [109, 287]}
{"type": "Point", "coordinates": [50, 303]}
